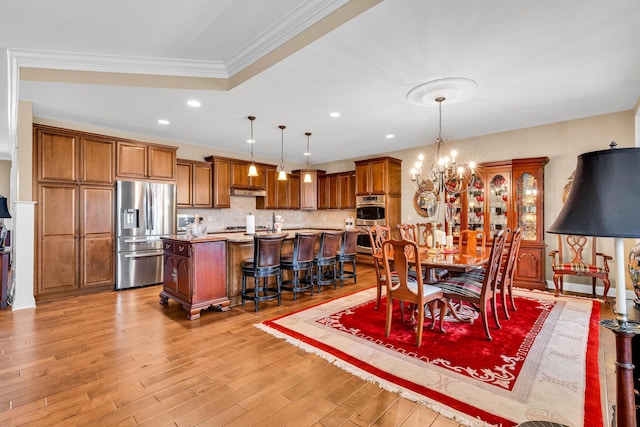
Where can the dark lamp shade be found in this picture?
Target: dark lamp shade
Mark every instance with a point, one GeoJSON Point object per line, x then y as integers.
{"type": "Point", "coordinates": [4, 211]}
{"type": "Point", "coordinates": [604, 199]}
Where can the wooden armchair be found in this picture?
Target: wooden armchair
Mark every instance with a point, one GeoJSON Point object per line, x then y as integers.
{"type": "Point", "coordinates": [575, 264]}
{"type": "Point", "coordinates": [407, 232]}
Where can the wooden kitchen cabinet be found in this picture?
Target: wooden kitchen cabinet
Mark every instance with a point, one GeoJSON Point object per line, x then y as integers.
{"type": "Point", "coordinates": [337, 190]}
{"type": "Point", "coordinates": [67, 156]}
{"type": "Point", "coordinates": [137, 160]}
{"type": "Point", "coordinates": [221, 181]}
{"type": "Point", "coordinates": [194, 184]}
{"type": "Point", "coordinates": [378, 176]}
{"type": "Point", "coordinates": [195, 274]}
{"type": "Point", "coordinates": [76, 244]}
{"type": "Point", "coordinates": [280, 194]}
{"type": "Point", "coordinates": [75, 219]}
{"type": "Point", "coordinates": [323, 191]}
{"type": "Point", "coordinates": [240, 178]}
{"type": "Point", "coordinates": [347, 186]}
{"type": "Point", "coordinates": [309, 190]}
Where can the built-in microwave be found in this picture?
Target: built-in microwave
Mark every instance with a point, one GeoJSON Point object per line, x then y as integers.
{"type": "Point", "coordinates": [183, 221]}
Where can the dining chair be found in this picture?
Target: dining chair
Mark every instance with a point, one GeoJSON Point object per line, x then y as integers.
{"type": "Point", "coordinates": [469, 240]}
{"type": "Point", "coordinates": [478, 288]}
{"type": "Point", "coordinates": [325, 261]}
{"type": "Point", "coordinates": [508, 270]}
{"type": "Point", "coordinates": [264, 264]}
{"type": "Point", "coordinates": [407, 232]}
{"type": "Point", "coordinates": [377, 235]}
{"type": "Point", "coordinates": [405, 288]}
{"type": "Point", "coordinates": [595, 266]}
{"type": "Point", "coordinates": [347, 254]}
{"type": "Point", "coordinates": [301, 260]}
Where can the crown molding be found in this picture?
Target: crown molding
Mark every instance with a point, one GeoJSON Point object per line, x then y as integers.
{"type": "Point", "coordinates": [117, 64]}
{"type": "Point", "coordinates": [290, 25]}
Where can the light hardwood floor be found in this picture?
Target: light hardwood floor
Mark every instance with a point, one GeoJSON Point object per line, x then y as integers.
{"type": "Point", "coordinates": [122, 359]}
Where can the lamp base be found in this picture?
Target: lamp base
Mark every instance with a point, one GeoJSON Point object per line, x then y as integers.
{"type": "Point", "coordinates": [625, 396]}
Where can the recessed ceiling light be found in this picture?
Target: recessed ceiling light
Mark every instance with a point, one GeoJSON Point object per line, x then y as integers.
{"type": "Point", "coordinates": [163, 121]}
{"type": "Point", "coordinates": [390, 136]}
{"type": "Point", "coordinates": [334, 114]}
{"type": "Point", "coordinates": [193, 103]}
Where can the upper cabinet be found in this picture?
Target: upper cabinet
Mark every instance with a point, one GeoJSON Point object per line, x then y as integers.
{"type": "Point", "coordinates": [240, 178]}
{"type": "Point", "coordinates": [309, 190]}
{"type": "Point", "coordinates": [64, 155]}
{"type": "Point", "coordinates": [221, 181]}
{"type": "Point", "coordinates": [378, 176]}
{"type": "Point", "coordinates": [137, 160]}
{"type": "Point", "coordinates": [280, 194]}
{"type": "Point", "coordinates": [194, 184]}
{"type": "Point", "coordinates": [337, 190]}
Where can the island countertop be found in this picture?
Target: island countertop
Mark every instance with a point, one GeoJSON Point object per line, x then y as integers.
{"type": "Point", "coordinates": [241, 237]}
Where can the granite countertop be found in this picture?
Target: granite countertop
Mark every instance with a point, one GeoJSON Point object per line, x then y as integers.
{"type": "Point", "coordinates": [240, 236]}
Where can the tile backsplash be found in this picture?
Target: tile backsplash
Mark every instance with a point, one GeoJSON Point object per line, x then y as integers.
{"type": "Point", "coordinates": [219, 219]}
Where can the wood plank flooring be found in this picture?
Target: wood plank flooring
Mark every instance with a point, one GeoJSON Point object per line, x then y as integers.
{"type": "Point", "coordinates": [122, 359]}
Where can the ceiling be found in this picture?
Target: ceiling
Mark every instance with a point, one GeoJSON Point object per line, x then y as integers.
{"type": "Point", "coordinates": [292, 62]}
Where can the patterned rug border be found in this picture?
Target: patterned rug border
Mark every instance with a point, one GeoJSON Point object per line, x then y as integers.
{"type": "Point", "coordinates": [391, 383]}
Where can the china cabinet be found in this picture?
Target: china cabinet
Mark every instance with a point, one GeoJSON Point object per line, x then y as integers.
{"type": "Point", "coordinates": [508, 194]}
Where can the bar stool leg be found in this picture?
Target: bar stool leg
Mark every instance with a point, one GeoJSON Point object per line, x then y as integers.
{"type": "Point", "coordinates": [256, 283]}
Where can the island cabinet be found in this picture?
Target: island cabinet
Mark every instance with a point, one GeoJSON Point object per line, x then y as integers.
{"type": "Point", "coordinates": [194, 184]}
{"type": "Point", "coordinates": [137, 160]}
{"type": "Point", "coordinates": [381, 175]}
{"type": "Point", "coordinates": [195, 274]}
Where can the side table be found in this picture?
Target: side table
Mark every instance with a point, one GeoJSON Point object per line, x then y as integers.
{"type": "Point", "coordinates": [5, 263]}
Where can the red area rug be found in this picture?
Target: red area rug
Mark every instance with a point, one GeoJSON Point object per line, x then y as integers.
{"type": "Point", "coordinates": [542, 364]}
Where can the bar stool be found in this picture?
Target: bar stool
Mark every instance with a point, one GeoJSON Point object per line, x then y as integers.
{"type": "Point", "coordinates": [347, 254]}
{"type": "Point", "coordinates": [300, 260]}
{"type": "Point", "coordinates": [325, 262]}
{"type": "Point", "coordinates": [265, 264]}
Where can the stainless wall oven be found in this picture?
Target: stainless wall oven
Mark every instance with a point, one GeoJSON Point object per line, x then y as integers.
{"type": "Point", "coordinates": [370, 210]}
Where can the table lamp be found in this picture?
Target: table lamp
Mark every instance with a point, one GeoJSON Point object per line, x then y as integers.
{"type": "Point", "coordinates": [604, 201]}
{"type": "Point", "coordinates": [4, 213]}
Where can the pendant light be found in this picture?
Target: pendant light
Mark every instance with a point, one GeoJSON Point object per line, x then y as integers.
{"type": "Point", "coordinates": [252, 168]}
{"type": "Point", "coordinates": [307, 175]}
{"type": "Point", "coordinates": [282, 175]}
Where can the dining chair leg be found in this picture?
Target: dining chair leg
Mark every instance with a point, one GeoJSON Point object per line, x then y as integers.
{"type": "Point", "coordinates": [503, 296]}
{"type": "Point", "coordinates": [420, 324]}
{"type": "Point", "coordinates": [387, 328]}
{"type": "Point", "coordinates": [485, 322]}
{"type": "Point", "coordinates": [378, 296]}
{"type": "Point", "coordinates": [513, 301]}
{"type": "Point", "coordinates": [443, 312]}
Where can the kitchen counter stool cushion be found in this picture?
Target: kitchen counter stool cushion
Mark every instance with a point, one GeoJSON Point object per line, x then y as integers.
{"type": "Point", "coordinates": [265, 264]}
{"type": "Point", "coordinates": [347, 254]}
{"type": "Point", "coordinates": [300, 260]}
{"type": "Point", "coordinates": [325, 261]}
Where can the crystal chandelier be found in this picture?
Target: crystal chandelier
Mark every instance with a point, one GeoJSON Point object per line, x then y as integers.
{"type": "Point", "coordinates": [444, 175]}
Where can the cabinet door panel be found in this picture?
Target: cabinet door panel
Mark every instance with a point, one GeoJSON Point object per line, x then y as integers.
{"type": "Point", "coordinates": [294, 192]}
{"type": "Point", "coordinates": [97, 210]}
{"type": "Point", "coordinates": [334, 197]}
{"type": "Point", "coordinates": [221, 183]}
{"type": "Point", "coordinates": [530, 265]}
{"type": "Point", "coordinates": [131, 160]}
{"type": "Point", "coordinates": [98, 160]}
{"type": "Point", "coordinates": [170, 281]}
{"type": "Point", "coordinates": [282, 196]}
{"type": "Point", "coordinates": [362, 179]}
{"type": "Point", "coordinates": [184, 279]}
{"type": "Point", "coordinates": [57, 155]}
{"type": "Point", "coordinates": [202, 196]}
{"type": "Point", "coordinates": [378, 177]}
{"type": "Point", "coordinates": [97, 261]}
{"type": "Point", "coordinates": [162, 163]}
{"type": "Point", "coordinates": [184, 189]}
{"type": "Point", "coordinates": [239, 177]}
{"type": "Point", "coordinates": [58, 264]}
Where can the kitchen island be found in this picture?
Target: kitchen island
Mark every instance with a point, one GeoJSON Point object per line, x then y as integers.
{"type": "Point", "coordinates": [195, 273]}
{"type": "Point", "coordinates": [206, 271]}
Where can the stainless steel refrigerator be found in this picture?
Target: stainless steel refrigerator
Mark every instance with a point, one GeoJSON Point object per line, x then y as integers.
{"type": "Point", "coordinates": [145, 211]}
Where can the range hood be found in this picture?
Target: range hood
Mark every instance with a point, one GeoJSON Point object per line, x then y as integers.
{"type": "Point", "coordinates": [247, 193]}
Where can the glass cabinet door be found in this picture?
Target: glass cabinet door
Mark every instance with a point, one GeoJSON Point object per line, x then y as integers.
{"type": "Point", "coordinates": [475, 205]}
{"type": "Point", "coordinates": [498, 204]}
{"type": "Point", "coordinates": [527, 197]}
